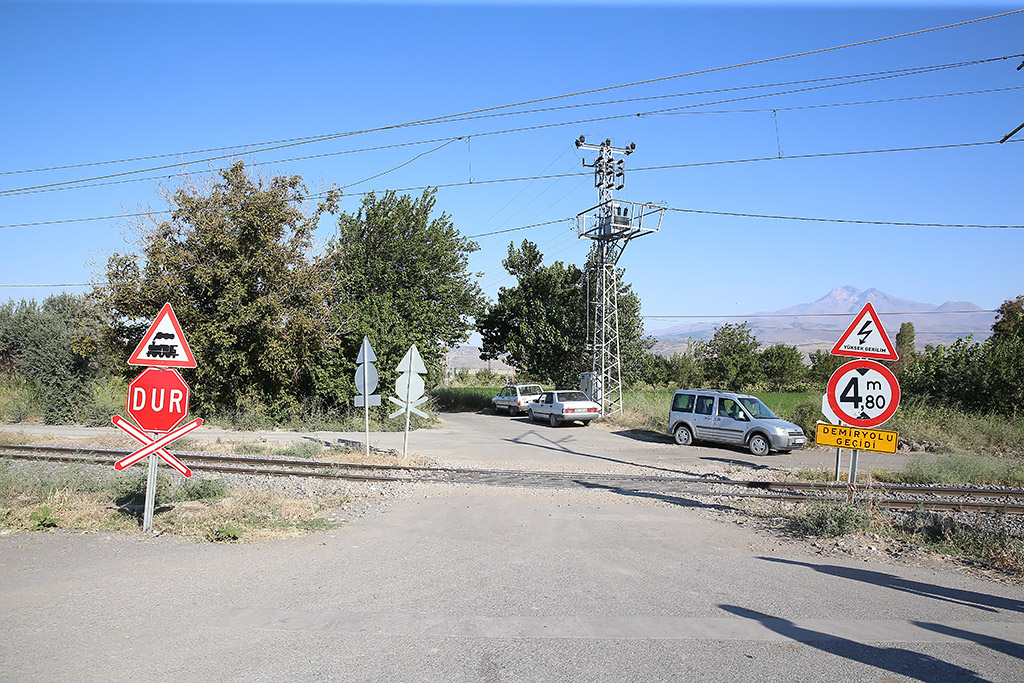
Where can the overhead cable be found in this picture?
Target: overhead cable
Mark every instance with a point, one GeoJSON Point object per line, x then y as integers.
{"type": "Point", "coordinates": [551, 98]}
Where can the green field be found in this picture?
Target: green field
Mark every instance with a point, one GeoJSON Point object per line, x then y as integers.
{"type": "Point", "coordinates": [643, 408]}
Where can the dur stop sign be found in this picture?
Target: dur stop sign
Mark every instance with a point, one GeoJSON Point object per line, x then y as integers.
{"type": "Point", "coordinates": [158, 400]}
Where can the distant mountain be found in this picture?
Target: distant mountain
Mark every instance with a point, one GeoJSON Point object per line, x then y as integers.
{"type": "Point", "coordinates": [818, 324]}
{"type": "Point", "coordinates": [468, 358]}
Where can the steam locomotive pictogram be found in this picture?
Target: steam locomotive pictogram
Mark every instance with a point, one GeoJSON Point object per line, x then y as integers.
{"type": "Point", "coordinates": [155, 350]}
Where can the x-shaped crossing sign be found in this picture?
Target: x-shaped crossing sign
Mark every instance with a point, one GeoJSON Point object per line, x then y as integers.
{"type": "Point", "coordinates": [153, 445]}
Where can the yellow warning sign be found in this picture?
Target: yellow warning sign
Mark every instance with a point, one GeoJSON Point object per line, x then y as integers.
{"type": "Point", "coordinates": [858, 439]}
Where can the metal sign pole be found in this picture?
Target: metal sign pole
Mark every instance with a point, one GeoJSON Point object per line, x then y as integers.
{"type": "Point", "coordinates": [147, 515]}
{"type": "Point", "coordinates": [839, 456]}
{"type": "Point", "coordinates": [408, 413]}
{"type": "Point", "coordinates": [366, 398]}
{"type": "Point", "coordinates": [853, 468]}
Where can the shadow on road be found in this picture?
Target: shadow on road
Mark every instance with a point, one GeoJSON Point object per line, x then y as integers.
{"type": "Point", "coordinates": [553, 445]}
{"type": "Point", "coordinates": [914, 665]}
{"type": "Point", "coordinates": [957, 596]}
{"type": "Point", "coordinates": [645, 435]}
{"type": "Point", "coordinates": [998, 644]}
{"type": "Point", "coordinates": [664, 497]}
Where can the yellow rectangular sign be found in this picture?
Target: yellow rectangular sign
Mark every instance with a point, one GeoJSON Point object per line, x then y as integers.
{"type": "Point", "coordinates": [858, 439]}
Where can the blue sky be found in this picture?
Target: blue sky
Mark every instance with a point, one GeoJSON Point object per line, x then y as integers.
{"type": "Point", "coordinates": [87, 82]}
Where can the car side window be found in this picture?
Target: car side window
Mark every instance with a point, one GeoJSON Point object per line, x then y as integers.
{"type": "Point", "coordinates": [704, 405]}
{"type": "Point", "coordinates": [728, 408]}
{"type": "Point", "coordinates": [549, 398]}
{"type": "Point", "coordinates": [683, 403]}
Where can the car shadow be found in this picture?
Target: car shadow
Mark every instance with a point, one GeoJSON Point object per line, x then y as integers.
{"type": "Point", "coordinates": [645, 435]}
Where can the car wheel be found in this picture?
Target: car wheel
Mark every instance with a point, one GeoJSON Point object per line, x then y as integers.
{"type": "Point", "coordinates": [683, 435]}
{"type": "Point", "coordinates": [497, 410]}
{"type": "Point", "coordinates": [552, 420]}
{"type": "Point", "coordinates": [586, 423]}
{"type": "Point", "coordinates": [513, 411]}
{"type": "Point", "coordinates": [533, 418]}
{"type": "Point", "coordinates": [759, 445]}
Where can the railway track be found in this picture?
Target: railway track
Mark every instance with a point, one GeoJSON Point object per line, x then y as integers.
{"type": "Point", "coordinates": [892, 496]}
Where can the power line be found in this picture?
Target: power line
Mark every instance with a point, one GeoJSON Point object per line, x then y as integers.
{"type": "Point", "coordinates": [78, 183]}
{"type": "Point", "coordinates": [495, 181]}
{"type": "Point", "coordinates": [847, 220]}
{"type": "Point", "coordinates": [302, 141]}
{"type": "Point", "coordinates": [64, 284]}
{"type": "Point", "coordinates": [810, 315]}
{"type": "Point", "coordinates": [460, 117]}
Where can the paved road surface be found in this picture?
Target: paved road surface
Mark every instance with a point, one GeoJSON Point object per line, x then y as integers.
{"type": "Point", "coordinates": [474, 584]}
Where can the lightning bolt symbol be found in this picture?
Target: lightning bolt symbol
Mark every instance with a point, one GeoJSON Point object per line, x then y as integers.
{"type": "Point", "coordinates": [864, 331]}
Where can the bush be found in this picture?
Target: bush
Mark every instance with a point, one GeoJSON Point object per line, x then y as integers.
{"type": "Point", "coordinates": [105, 400]}
{"type": "Point", "coordinates": [43, 518]}
{"type": "Point", "coordinates": [832, 519]}
{"type": "Point", "coordinates": [226, 533]}
{"type": "Point", "coordinates": [132, 490]}
{"type": "Point", "coordinates": [805, 415]}
{"type": "Point", "coordinates": [204, 489]}
{"type": "Point", "coordinates": [18, 401]}
{"type": "Point", "coordinates": [463, 398]}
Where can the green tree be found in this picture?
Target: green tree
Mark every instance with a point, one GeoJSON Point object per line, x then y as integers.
{"type": "Point", "coordinates": [730, 357]}
{"type": "Point", "coordinates": [952, 376]}
{"type": "Point", "coordinates": [906, 348]}
{"type": "Point", "coordinates": [782, 365]}
{"type": "Point", "coordinates": [1010, 318]}
{"type": "Point", "coordinates": [407, 281]}
{"type": "Point", "coordinates": [235, 260]}
{"type": "Point", "coordinates": [1004, 359]}
{"type": "Point", "coordinates": [52, 346]}
{"type": "Point", "coordinates": [540, 326]}
{"type": "Point", "coordinates": [823, 364]}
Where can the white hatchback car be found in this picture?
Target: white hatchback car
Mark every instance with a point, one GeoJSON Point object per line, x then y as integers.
{"type": "Point", "coordinates": [564, 406]}
{"type": "Point", "coordinates": [515, 397]}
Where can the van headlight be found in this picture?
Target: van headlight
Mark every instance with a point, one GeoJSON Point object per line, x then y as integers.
{"type": "Point", "coordinates": [781, 431]}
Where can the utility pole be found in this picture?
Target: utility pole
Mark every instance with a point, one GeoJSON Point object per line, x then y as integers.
{"type": "Point", "coordinates": [611, 224]}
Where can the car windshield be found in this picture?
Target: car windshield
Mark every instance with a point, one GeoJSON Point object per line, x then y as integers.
{"type": "Point", "coordinates": [757, 410]}
{"type": "Point", "coordinates": [572, 396]}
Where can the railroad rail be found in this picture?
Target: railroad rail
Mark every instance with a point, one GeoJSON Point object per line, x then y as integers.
{"type": "Point", "coordinates": [892, 496]}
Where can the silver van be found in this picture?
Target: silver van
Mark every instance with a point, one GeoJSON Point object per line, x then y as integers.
{"type": "Point", "coordinates": [739, 419]}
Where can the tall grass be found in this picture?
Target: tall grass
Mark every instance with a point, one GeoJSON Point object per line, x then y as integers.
{"type": "Point", "coordinates": [18, 402]}
{"type": "Point", "coordinates": [957, 469]}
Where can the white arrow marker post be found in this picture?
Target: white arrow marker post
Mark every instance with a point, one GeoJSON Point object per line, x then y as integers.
{"type": "Point", "coordinates": [366, 382]}
{"type": "Point", "coordinates": [409, 387]}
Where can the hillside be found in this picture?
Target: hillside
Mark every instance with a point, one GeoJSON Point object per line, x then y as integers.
{"type": "Point", "coordinates": [818, 324]}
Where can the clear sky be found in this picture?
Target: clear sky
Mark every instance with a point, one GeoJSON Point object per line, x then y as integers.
{"type": "Point", "coordinates": [87, 82]}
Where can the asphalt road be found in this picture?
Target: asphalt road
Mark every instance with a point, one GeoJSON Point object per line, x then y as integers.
{"type": "Point", "coordinates": [474, 584]}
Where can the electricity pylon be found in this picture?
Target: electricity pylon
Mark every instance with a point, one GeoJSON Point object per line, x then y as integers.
{"type": "Point", "coordinates": [611, 224]}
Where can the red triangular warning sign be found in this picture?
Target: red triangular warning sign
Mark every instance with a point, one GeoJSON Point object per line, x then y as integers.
{"type": "Point", "coordinates": [865, 338]}
{"type": "Point", "coordinates": [164, 345]}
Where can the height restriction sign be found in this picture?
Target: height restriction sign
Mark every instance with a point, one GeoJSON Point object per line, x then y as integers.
{"type": "Point", "coordinates": [863, 393]}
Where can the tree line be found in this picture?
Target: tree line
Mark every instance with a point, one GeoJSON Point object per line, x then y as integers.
{"type": "Point", "coordinates": [274, 320]}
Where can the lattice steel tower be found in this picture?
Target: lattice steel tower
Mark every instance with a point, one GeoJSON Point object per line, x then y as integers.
{"type": "Point", "coordinates": [611, 224]}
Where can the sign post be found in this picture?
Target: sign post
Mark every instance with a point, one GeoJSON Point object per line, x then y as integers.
{"type": "Point", "coordinates": [862, 393]}
{"type": "Point", "coordinates": [409, 387]}
{"type": "Point", "coordinates": [366, 382]}
{"type": "Point", "coordinates": [158, 402]}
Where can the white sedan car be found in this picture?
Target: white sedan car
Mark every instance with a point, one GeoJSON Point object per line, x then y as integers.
{"type": "Point", "coordinates": [563, 406]}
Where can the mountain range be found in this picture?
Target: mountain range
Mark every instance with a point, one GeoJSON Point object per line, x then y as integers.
{"type": "Point", "coordinates": [818, 324]}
